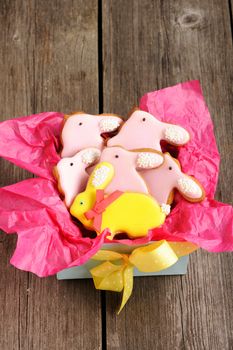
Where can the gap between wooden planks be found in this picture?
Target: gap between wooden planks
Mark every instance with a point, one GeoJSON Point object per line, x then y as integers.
{"type": "Point", "coordinates": [49, 61]}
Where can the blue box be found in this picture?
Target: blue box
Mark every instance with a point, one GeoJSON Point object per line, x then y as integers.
{"type": "Point", "coordinates": [82, 271]}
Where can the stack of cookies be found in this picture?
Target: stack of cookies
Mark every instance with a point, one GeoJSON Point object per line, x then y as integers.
{"type": "Point", "coordinates": [113, 174]}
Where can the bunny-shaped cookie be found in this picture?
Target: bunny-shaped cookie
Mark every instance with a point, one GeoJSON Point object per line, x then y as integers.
{"type": "Point", "coordinates": [126, 177]}
{"type": "Point", "coordinates": [143, 130]}
{"type": "Point", "coordinates": [85, 130]}
{"type": "Point", "coordinates": [162, 182]}
{"type": "Point", "coordinates": [128, 212]}
{"type": "Point", "coordinates": [71, 173]}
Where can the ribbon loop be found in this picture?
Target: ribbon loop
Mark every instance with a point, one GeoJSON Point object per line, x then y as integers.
{"type": "Point", "coordinates": [153, 257]}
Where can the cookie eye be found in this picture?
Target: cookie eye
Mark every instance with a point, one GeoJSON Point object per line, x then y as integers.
{"type": "Point", "coordinates": [116, 156]}
{"type": "Point", "coordinates": [71, 164]}
{"type": "Point", "coordinates": [80, 123]}
{"type": "Point", "coordinates": [170, 168]}
{"type": "Point", "coordinates": [143, 119]}
{"type": "Point", "coordinates": [81, 202]}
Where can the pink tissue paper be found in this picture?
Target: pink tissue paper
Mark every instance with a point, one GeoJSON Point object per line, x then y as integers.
{"type": "Point", "coordinates": [48, 238]}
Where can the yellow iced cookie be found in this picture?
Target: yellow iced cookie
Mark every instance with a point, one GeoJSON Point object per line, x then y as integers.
{"type": "Point", "coordinates": [132, 213]}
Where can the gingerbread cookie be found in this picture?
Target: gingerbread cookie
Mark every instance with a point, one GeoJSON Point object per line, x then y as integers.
{"type": "Point", "coordinates": [126, 177]}
{"type": "Point", "coordinates": [164, 180]}
{"type": "Point", "coordinates": [132, 213]}
{"type": "Point", "coordinates": [82, 131]}
{"type": "Point", "coordinates": [71, 173]}
{"type": "Point", "coordinates": [143, 130]}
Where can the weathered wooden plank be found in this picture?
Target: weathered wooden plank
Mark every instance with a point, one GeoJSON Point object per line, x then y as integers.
{"type": "Point", "coordinates": [148, 45]}
{"type": "Point", "coordinates": [66, 56]}
{"type": "Point", "coordinates": [49, 52]}
{"type": "Point", "coordinates": [60, 314]}
{"type": "Point", "coordinates": [16, 98]}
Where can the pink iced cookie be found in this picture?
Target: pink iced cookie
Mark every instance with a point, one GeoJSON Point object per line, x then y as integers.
{"type": "Point", "coordinates": [84, 130]}
{"type": "Point", "coordinates": [71, 173]}
{"type": "Point", "coordinates": [126, 177]}
{"type": "Point", "coordinates": [143, 130]}
{"type": "Point", "coordinates": [162, 182]}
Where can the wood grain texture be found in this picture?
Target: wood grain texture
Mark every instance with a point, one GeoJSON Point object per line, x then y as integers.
{"type": "Point", "coordinates": [16, 98]}
{"type": "Point", "coordinates": [66, 79]}
{"type": "Point", "coordinates": [149, 45]}
{"type": "Point", "coordinates": [66, 56]}
{"type": "Point", "coordinates": [49, 61]}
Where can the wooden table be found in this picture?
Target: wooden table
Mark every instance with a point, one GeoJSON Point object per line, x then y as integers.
{"type": "Point", "coordinates": [96, 56]}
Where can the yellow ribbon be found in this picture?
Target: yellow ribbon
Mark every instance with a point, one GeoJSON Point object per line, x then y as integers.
{"type": "Point", "coordinates": [118, 276]}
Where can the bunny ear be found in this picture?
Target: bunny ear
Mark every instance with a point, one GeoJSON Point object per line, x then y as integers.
{"type": "Point", "coordinates": [190, 188]}
{"type": "Point", "coordinates": [176, 135]}
{"type": "Point", "coordinates": [149, 160]}
{"type": "Point", "coordinates": [109, 123]}
{"type": "Point", "coordinates": [90, 156]}
{"type": "Point", "coordinates": [101, 176]}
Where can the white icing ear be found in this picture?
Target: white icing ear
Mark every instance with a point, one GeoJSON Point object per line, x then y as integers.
{"type": "Point", "coordinates": [108, 124]}
{"type": "Point", "coordinates": [189, 188]}
{"type": "Point", "coordinates": [176, 134]}
{"type": "Point", "coordinates": [100, 176]}
{"type": "Point", "coordinates": [90, 156]}
{"type": "Point", "coordinates": [149, 160]}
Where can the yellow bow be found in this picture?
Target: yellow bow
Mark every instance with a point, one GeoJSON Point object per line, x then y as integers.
{"type": "Point", "coordinates": [154, 257]}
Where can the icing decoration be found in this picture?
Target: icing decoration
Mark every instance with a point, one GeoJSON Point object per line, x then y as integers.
{"type": "Point", "coordinates": [150, 258]}
{"type": "Point", "coordinates": [189, 188]}
{"type": "Point", "coordinates": [131, 213]}
{"type": "Point", "coordinates": [82, 131]}
{"type": "Point", "coordinates": [90, 155]}
{"type": "Point", "coordinates": [100, 176]}
{"type": "Point", "coordinates": [166, 208]}
{"type": "Point", "coordinates": [143, 130]}
{"type": "Point", "coordinates": [72, 175]}
{"type": "Point", "coordinates": [176, 135]}
{"type": "Point", "coordinates": [163, 180]}
{"type": "Point", "coordinates": [126, 177]}
{"type": "Point", "coordinates": [149, 160]}
{"type": "Point", "coordinates": [109, 124]}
